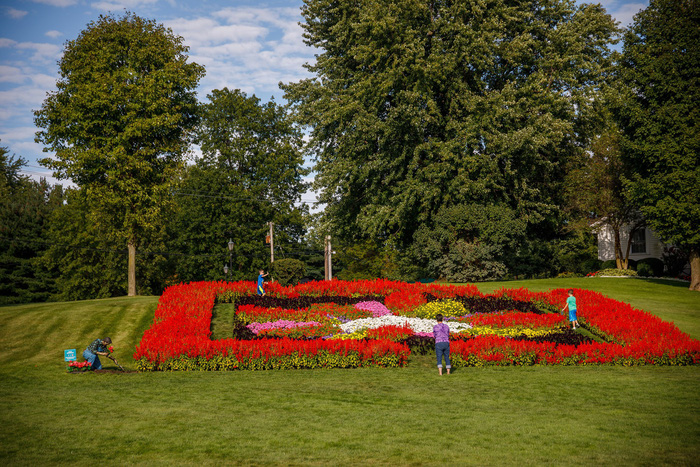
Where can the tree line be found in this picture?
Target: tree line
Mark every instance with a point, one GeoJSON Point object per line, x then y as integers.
{"type": "Point", "coordinates": [459, 140]}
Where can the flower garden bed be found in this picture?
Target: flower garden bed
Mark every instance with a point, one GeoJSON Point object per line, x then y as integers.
{"type": "Point", "coordinates": [338, 324]}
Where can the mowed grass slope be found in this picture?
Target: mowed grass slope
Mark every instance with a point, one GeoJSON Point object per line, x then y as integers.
{"type": "Point", "coordinates": [39, 333]}
{"type": "Point", "coordinates": [488, 416]}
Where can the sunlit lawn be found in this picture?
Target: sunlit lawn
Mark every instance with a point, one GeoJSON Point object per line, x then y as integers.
{"type": "Point", "coordinates": [489, 416]}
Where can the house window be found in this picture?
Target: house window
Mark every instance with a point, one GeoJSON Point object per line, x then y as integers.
{"type": "Point", "coordinates": [639, 241]}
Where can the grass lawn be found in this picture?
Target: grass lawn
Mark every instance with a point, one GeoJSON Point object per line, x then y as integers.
{"type": "Point", "coordinates": [487, 416]}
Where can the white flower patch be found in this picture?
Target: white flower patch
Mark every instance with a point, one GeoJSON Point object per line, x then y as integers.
{"type": "Point", "coordinates": [416, 324]}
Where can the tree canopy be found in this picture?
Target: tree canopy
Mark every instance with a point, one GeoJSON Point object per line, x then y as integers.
{"type": "Point", "coordinates": [26, 207]}
{"type": "Point", "coordinates": [119, 122]}
{"type": "Point", "coordinates": [420, 106]}
{"type": "Point", "coordinates": [660, 119]}
{"type": "Point", "coordinates": [251, 173]}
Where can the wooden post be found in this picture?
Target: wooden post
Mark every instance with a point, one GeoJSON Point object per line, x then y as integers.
{"type": "Point", "coordinates": [131, 270]}
{"type": "Point", "coordinates": [330, 260]}
{"type": "Point", "coordinates": [328, 254]}
{"type": "Point", "coordinates": [272, 244]}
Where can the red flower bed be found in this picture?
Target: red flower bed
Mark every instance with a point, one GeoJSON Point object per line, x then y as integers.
{"type": "Point", "coordinates": [180, 339]}
{"type": "Point", "coordinates": [494, 350]}
{"type": "Point", "coordinates": [180, 336]}
{"type": "Point", "coordinates": [258, 314]}
{"type": "Point", "coordinates": [635, 337]}
{"type": "Point", "coordinates": [403, 301]}
{"type": "Point", "coordinates": [510, 319]}
{"type": "Point", "coordinates": [391, 332]}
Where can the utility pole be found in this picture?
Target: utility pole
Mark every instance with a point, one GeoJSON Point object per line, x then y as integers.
{"type": "Point", "coordinates": [328, 255]}
{"type": "Point", "coordinates": [272, 244]}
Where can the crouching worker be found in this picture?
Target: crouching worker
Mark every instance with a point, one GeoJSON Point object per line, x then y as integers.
{"type": "Point", "coordinates": [97, 347]}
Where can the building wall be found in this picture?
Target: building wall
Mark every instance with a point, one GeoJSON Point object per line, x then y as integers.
{"type": "Point", "coordinates": [606, 244]}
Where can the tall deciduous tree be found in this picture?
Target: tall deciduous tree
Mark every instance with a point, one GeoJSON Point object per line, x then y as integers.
{"type": "Point", "coordinates": [419, 106]}
{"type": "Point", "coordinates": [660, 118]}
{"type": "Point", "coordinates": [595, 193]}
{"type": "Point", "coordinates": [119, 122]}
{"type": "Point", "coordinates": [251, 173]}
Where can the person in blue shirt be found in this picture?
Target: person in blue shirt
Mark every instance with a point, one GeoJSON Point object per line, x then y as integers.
{"type": "Point", "coordinates": [261, 281]}
{"type": "Point", "coordinates": [571, 305]}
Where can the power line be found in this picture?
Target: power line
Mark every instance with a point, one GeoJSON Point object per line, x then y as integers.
{"type": "Point", "coordinates": [263, 253]}
{"type": "Point", "coordinates": [235, 198]}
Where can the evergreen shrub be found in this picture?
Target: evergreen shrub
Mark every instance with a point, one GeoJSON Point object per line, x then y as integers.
{"type": "Point", "coordinates": [650, 267]}
{"type": "Point", "coordinates": [288, 271]}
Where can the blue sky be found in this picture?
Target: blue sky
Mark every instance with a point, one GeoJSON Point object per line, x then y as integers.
{"type": "Point", "coordinates": [244, 44]}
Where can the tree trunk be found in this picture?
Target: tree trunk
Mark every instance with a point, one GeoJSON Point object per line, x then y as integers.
{"type": "Point", "coordinates": [695, 269]}
{"type": "Point", "coordinates": [131, 280]}
{"type": "Point", "coordinates": [629, 247]}
{"type": "Point", "coordinates": [620, 261]}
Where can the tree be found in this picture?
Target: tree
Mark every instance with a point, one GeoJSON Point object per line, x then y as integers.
{"type": "Point", "coordinates": [660, 120]}
{"type": "Point", "coordinates": [467, 241]}
{"type": "Point", "coordinates": [250, 174]}
{"type": "Point", "coordinates": [119, 123]}
{"type": "Point", "coordinates": [596, 195]}
{"type": "Point", "coordinates": [88, 260]}
{"type": "Point", "coordinates": [25, 209]}
{"type": "Point", "coordinates": [416, 107]}
{"type": "Point", "coordinates": [83, 256]}
{"type": "Point", "coordinates": [365, 259]}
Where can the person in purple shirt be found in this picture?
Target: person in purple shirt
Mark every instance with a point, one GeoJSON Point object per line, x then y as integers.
{"type": "Point", "coordinates": [441, 331]}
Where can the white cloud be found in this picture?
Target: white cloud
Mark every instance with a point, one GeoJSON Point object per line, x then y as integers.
{"type": "Point", "coordinates": [11, 74]}
{"type": "Point", "coordinates": [59, 3]}
{"type": "Point", "coordinates": [16, 103]}
{"type": "Point", "coordinates": [622, 10]}
{"type": "Point", "coordinates": [251, 49]}
{"type": "Point", "coordinates": [202, 32]}
{"type": "Point", "coordinates": [4, 42]}
{"type": "Point", "coordinates": [43, 51]}
{"type": "Point", "coordinates": [121, 4]}
{"type": "Point", "coordinates": [18, 133]}
{"type": "Point", "coordinates": [15, 13]}
{"type": "Point", "coordinates": [625, 13]}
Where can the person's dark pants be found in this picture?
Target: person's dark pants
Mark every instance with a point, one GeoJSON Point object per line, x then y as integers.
{"type": "Point", "coordinates": [94, 360]}
{"type": "Point", "coordinates": [443, 349]}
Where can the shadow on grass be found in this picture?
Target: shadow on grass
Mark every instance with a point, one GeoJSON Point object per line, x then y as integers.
{"type": "Point", "coordinates": [669, 282]}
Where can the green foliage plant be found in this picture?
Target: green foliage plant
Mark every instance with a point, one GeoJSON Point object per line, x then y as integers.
{"type": "Point", "coordinates": [288, 271]}
{"type": "Point", "coordinates": [617, 272]}
{"type": "Point", "coordinates": [650, 267]}
{"type": "Point", "coordinates": [578, 252]}
{"type": "Point", "coordinates": [595, 187]}
{"type": "Point", "coordinates": [367, 259]}
{"type": "Point", "coordinates": [120, 122]}
{"type": "Point", "coordinates": [467, 241]}
{"type": "Point", "coordinates": [644, 270]}
{"type": "Point", "coordinates": [674, 259]}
